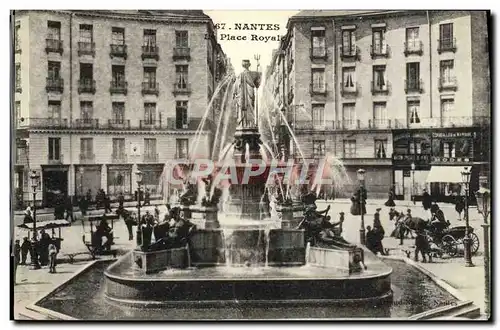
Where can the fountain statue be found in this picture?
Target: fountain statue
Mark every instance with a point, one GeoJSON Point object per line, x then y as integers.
{"type": "Point", "coordinates": [245, 92]}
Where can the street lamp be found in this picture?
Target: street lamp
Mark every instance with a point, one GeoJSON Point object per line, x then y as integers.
{"type": "Point", "coordinates": [483, 196]}
{"type": "Point", "coordinates": [361, 179]}
{"type": "Point", "coordinates": [467, 253]}
{"type": "Point", "coordinates": [34, 177]}
{"type": "Point", "coordinates": [138, 177]}
{"type": "Point", "coordinates": [413, 182]}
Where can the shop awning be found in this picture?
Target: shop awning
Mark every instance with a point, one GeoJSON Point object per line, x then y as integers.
{"type": "Point", "coordinates": [446, 174]}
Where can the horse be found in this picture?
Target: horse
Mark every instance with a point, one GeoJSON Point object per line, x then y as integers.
{"type": "Point", "coordinates": [406, 225]}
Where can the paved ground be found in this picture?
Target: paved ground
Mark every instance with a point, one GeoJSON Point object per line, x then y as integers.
{"type": "Point", "coordinates": [468, 281]}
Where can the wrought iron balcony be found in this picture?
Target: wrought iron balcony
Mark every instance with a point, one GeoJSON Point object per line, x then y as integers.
{"type": "Point", "coordinates": [48, 122]}
{"type": "Point", "coordinates": [53, 46]}
{"type": "Point", "coordinates": [55, 159]}
{"type": "Point", "coordinates": [86, 123]}
{"type": "Point", "coordinates": [118, 51]}
{"type": "Point", "coordinates": [381, 50]}
{"type": "Point", "coordinates": [182, 89]}
{"type": "Point", "coordinates": [414, 47]}
{"type": "Point", "coordinates": [149, 87]}
{"type": "Point", "coordinates": [317, 90]}
{"type": "Point", "coordinates": [414, 86]}
{"type": "Point", "coordinates": [86, 85]}
{"type": "Point", "coordinates": [447, 83]}
{"type": "Point", "coordinates": [380, 89]}
{"type": "Point", "coordinates": [315, 125]}
{"type": "Point", "coordinates": [87, 158]}
{"type": "Point", "coordinates": [150, 158]}
{"type": "Point", "coordinates": [351, 52]}
{"type": "Point", "coordinates": [119, 123]}
{"type": "Point", "coordinates": [54, 84]}
{"type": "Point", "coordinates": [318, 52]}
{"type": "Point", "coordinates": [437, 122]}
{"type": "Point", "coordinates": [349, 124]}
{"type": "Point", "coordinates": [86, 48]}
{"type": "Point", "coordinates": [348, 91]}
{"type": "Point", "coordinates": [118, 158]}
{"type": "Point", "coordinates": [118, 87]}
{"type": "Point", "coordinates": [182, 53]}
{"type": "Point", "coordinates": [150, 52]}
{"type": "Point", "coordinates": [150, 124]}
{"type": "Point", "coordinates": [447, 45]}
{"type": "Point", "coordinates": [192, 124]}
{"type": "Point", "coordinates": [379, 123]}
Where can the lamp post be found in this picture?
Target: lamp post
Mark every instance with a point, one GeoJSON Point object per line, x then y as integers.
{"type": "Point", "coordinates": [138, 177]}
{"type": "Point", "coordinates": [34, 177]}
{"type": "Point", "coordinates": [361, 179]}
{"type": "Point", "coordinates": [467, 253]}
{"type": "Point", "coordinates": [483, 197]}
{"type": "Point", "coordinates": [413, 182]}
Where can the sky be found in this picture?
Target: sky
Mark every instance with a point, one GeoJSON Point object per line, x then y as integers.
{"type": "Point", "coordinates": [238, 50]}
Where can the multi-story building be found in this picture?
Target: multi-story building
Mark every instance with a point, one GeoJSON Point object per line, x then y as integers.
{"type": "Point", "coordinates": [102, 94]}
{"type": "Point", "coordinates": [403, 94]}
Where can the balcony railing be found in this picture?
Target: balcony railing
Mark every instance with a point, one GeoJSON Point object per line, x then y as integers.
{"type": "Point", "coordinates": [54, 84]}
{"type": "Point", "coordinates": [318, 52]}
{"type": "Point", "coordinates": [182, 53]}
{"type": "Point", "coordinates": [319, 125]}
{"type": "Point", "coordinates": [150, 52]}
{"type": "Point", "coordinates": [349, 124]}
{"type": "Point", "coordinates": [381, 50]}
{"type": "Point", "coordinates": [414, 86]}
{"type": "Point", "coordinates": [379, 123]}
{"type": "Point", "coordinates": [448, 83]}
{"type": "Point", "coordinates": [414, 47]}
{"type": "Point", "coordinates": [152, 88]}
{"type": "Point", "coordinates": [380, 89]}
{"type": "Point", "coordinates": [182, 89]}
{"type": "Point", "coordinates": [119, 123]}
{"type": "Point", "coordinates": [118, 87]}
{"type": "Point", "coordinates": [86, 123]}
{"type": "Point", "coordinates": [438, 122]}
{"type": "Point", "coordinates": [87, 158]}
{"type": "Point", "coordinates": [150, 158]}
{"type": "Point", "coordinates": [348, 91]}
{"type": "Point", "coordinates": [55, 159]}
{"type": "Point", "coordinates": [53, 46]}
{"type": "Point", "coordinates": [351, 52]}
{"type": "Point", "coordinates": [150, 124]}
{"type": "Point", "coordinates": [318, 90]}
{"type": "Point", "coordinates": [48, 122]}
{"type": "Point", "coordinates": [86, 48]}
{"type": "Point", "coordinates": [447, 45]}
{"type": "Point", "coordinates": [118, 158]}
{"type": "Point", "coordinates": [86, 86]}
{"type": "Point", "coordinates": [118, 51]}
{"type": "Point", "coordinates": [192, 124]}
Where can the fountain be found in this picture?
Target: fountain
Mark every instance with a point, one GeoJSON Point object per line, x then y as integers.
{"type": "Point", "coordinates": [243, 251]}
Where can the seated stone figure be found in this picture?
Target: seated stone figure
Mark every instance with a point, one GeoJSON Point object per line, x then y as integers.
{"type": "Point", "coordinates": [189, 195]}
{"type": "Point", "coordinates": [178, 233]}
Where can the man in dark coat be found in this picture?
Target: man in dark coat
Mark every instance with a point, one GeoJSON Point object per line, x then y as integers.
{"type": "Point", "coordinates": [69, 209]}
{"type": "Point", "coordinates": [426, 200]}
{"type": "Point", "coordinates": [25, 249]}
{"type": "Point", "coordinates": [147, 198]}
{"type": "Point", "coordinates": [121, 200]}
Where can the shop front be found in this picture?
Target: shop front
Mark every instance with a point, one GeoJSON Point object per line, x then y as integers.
{"type": "Point", "coordinates": [119, 181]}
{"type": "Point", "coordinates": [87, 178]}
{"type": "Point", "coordinates": [152, 179]}
{"type": "Point", "coordinates": [55, 184]}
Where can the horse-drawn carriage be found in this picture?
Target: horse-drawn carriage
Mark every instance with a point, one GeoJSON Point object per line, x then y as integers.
{"type": "Point", "coordinates": [101, 237]}
{"type": "Point", "coordinates": [449, 239]}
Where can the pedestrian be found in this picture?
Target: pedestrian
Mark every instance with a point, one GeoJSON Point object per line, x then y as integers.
{"type": "Point", "coordinates": [421, 242]}
{"type": "Point", "coordinates": [147, 198]}
{"type": "Point", "coordinates": [107, 203]}
{"type": "Point", "coordinates": [426, 200]}
{"type": "Point", "coordinates": [88, 198]}
{"type": "Point", "coordinates": [459, 207]}
{"type": "Point", "coordinates": [121, 200]}
{"type": "Point", "coordinates": [130, 221]}
{"type": "Point", "coordinates": [25, 249]}
{"type": "Point", "coordinates": [390, 200]}
{"type": "Point", "coordinates": [52, 249]}
{"type": "Point", "coordinates": [378, 233]}
{"type": "Point", "coordinates": [157, 213]}
{"type": "Point", "coordinates": [82, 204]}
{"type": "Point", "coordinates": [28, 218]}
{"type": "Point", "coordinates": [17, 252]}
{"type": "Point", "coordinates": [69, 209]}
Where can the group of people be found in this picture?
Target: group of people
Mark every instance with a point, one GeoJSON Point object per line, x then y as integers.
{"type": "Point", "coordinates": [44, 250]}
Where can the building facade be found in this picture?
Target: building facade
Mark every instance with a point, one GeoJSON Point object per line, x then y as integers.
{"type": "Point", "coordinates": [383, 90]}
{"type": "Point", "coordinates": [102, 94]}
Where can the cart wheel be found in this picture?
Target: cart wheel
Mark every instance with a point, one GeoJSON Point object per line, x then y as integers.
{"type": "Point", "coordinates": [474, 243]}
{"type": "Point", "coordinates": [449, 245]}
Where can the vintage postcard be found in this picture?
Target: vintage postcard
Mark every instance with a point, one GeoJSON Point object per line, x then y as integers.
{"type": "Point", "coordinates": [250, 165]}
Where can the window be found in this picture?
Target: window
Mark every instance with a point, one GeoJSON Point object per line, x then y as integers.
{"type": "Point", "coordinates": [18, 77]}
{"type": "Point", "coordinates": [378, 42]}
{"type": "Point", "coordinates": [86, 35]}
{"type": "Point", "coordinates": [348, 43]}
{"type": "Point", "coordinates": [318, 80]}
{"type": "Point", "coordinates": [348, 79]}
{"type": "Point", "coordinates": [448, 149]}
{"type": "Point", "coordinates": [182, 148]}
{"type": "Point", "coordinates": [318, 113]}
{"type": "Point", "coordinates": [349, 114]}
{"type": "Point", "coordinates": [54, 70]}
{"type": "Point", "coordinates": [86, 72]}
{"type": "Point", "coordinates": [149, 113]}
{"type": "Point", "coordinates": [349, 148]}
{"type": "Point", "coordinates": [150, 77]}
{"type": "Point", "coordinates": [119, 148]}
{"type": "Point", "coordinates": [87, 147]}
{"type": "Point", "coordinates": [413, 112]}
{"type": "Point", "coordinates": [150, 148]}
{"type": "Point", "coordinates": [181, 39]}
{"type": "Point", "coordinates": [86, 110]}
{"type": "Point", "coordinates": [181, 76]}
{"type": "Point", "coordinates": [413, 76]}
{"type": "Point", "coordinates": [118, 112]}
{"type": "Point", "coordinates": [447, 74]}
{"type": "Point", "coordinates": [118, 75]}
{"type": "Point", "coordinates": [379, 78]}
{"type": "Point", "coordinates": [17, 42]}
{"type": "Point", "coordinates": [118, 36]}
{"type": "Point", "coordinates": [54, 30]}
{"type": "Point", "coordinates": [380, 112]}
{"type": "Point", "coordinates": [150, 38]}
{"type": "Point", "coordinates": [55, 109]}
{"type": "Point", "coordinates": [181, 117]}
{"type": "Point", "coordinates": [318, 148]}
{"type": "Point", "coordinates": [446, 36]}
{"type": "Point", "coordinates": [54, 148]}
{"type": "Point", "coordinates": [380, 148]}
{"type": "Point", "coordinates": [447, 108]}
{"type": "Point", "coordinates": [412, 39]}
{"type": "Point", "coordinates": [318, 42]}
{"type": "Point", "coordinates": [415, 148]}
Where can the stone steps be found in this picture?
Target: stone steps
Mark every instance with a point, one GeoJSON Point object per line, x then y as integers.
{"type": "Point", "coordinates": [462, 310]}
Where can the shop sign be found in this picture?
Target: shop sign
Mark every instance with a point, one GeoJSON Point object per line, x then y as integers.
{"type": "Point", "coordinates": [451, 160]}
{"type": "Point", "coordinates": [451, 134]}
{"type": "Point", "coordinates": [406, 174]}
